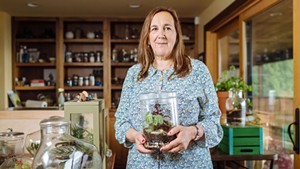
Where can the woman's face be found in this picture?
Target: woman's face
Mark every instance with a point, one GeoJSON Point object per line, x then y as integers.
{"type": "Point", "coordinates": [162, 35]}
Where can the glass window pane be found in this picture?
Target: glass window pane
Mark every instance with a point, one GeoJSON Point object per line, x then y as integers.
{"type": "Point", "coordinates": [229, 51]}
{"type": "Point", "coordinates": [269, 38]}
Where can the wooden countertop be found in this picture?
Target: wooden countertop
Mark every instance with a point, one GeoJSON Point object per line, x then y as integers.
{"type": "Point", "coordinates": [29, 114]}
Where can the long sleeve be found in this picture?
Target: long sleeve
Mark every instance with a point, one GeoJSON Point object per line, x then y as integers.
{"type": "Point", "coordinates": [209, 118]}
{"type": "Point", "coordinates": [123, 118]}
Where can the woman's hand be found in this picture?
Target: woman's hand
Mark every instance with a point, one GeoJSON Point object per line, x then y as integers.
{"type": "Point", "coordinates": [184, 137]}
{"type": "Point", "coordinates": [134, 136]}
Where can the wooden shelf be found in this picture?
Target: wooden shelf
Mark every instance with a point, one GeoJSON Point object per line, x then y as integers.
{"type": "Point", "coordinates": [35, 64]}
{"type": "Point", "coordinates": [83, 40]}
{"type": "Point", "coordinates": [28, 88]}
{"type": "Point", "coordinates": [35, 40]}
{"type": "Point", "coordinates": [121, 64]}
{"type": "Point", "coordinates": [83, 64]}
{"type": "Point", "coordinates": [83, 87]}
{"type": "Point", "coordinates": [119, 87]}
{"type": "Point", "coordinates": [124, 40]}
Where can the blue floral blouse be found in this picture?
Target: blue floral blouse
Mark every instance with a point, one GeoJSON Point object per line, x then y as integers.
{"type": "Point", "coordinates": [197, 105]}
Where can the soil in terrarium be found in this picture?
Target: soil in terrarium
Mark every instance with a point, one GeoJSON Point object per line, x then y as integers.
{"type": "Point", "coordinates": [158, 127]}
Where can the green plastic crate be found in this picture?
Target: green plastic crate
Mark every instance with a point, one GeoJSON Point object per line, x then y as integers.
{"type": "Point", "coordinates": [242, 140]}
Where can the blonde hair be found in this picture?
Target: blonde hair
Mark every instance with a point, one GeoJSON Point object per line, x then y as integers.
{"type": "Point", "coordinates": [182, 63]}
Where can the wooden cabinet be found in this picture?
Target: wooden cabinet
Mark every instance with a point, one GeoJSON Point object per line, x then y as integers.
{"type": "Point", "coordinates": [82, 56]}
{"type": "Point", "coordinates": [123, 44]}
{"type": "Point", "coordinates": [34, 58]}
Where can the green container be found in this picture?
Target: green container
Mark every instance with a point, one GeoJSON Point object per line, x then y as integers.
{"type": "Point", "coordinates": [242, 140]}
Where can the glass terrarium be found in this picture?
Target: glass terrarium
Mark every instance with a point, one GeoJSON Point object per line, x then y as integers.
{"type": "Point", "coordinates": [32, 142]}
{"type": "Point", "coordinates": [11, 144]}
{"type": "Point", "coordinates": [159, 115]}
{"type": "Point", "coordinates": [88, 122]}
{"type": "Point", "coordinates": [59, 150]}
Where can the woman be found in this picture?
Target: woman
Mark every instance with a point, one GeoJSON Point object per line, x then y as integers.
{"type": "Point", "coordinates": [164, 66]}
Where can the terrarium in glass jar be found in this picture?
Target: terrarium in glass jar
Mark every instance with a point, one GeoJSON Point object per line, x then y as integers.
{"type": "Point", "coordinates": [159, 115]}
{"type": "Point", "coordinates": [59, 150]}
{"type": "Point", "coordinates": [236, 108]}
{"type": "Point", "coordinates": [32, 142]}
{"type": "Point", "coordinates": [11, 144]}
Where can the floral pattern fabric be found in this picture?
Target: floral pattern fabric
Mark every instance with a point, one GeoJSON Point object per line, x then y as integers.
{"type": "Point", "coordinates": [197, 105]}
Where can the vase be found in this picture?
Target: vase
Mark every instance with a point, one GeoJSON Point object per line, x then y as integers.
{"type": "Point", "coordinates": [236, 108]}
{"type": "Point", "coordinates": [58, 149]}
{"type": "Point", "coordinates": [158, 115]}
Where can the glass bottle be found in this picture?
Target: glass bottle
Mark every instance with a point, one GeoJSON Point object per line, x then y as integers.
{"type": "Point", "coordinates": [60, 150]}
{"type": "Point", "coordinates": [61, 97]}
{"type": "Point", "coordinates": [158, 115]}
{"type": "Point", "coordinates": [236, 108]}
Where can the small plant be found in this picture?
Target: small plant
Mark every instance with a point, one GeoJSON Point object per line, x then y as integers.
{"type": "Point", "coordinates": [81, 133]}
{"type": "Point", "coordinates": [158, 125]}
{"type": "Point", "coordinates": [228, 80]}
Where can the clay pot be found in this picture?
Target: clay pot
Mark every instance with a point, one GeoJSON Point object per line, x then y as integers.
{"type": "Point", "coordinates": [222, 97]}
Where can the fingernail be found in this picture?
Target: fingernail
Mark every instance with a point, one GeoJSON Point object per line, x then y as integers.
{"type": "Point", "coordinates": [143, 141]}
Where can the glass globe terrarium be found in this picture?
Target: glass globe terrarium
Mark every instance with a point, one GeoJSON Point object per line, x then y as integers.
{"type": "Point", "coordinates": [59, 150]}
{"type": "Point", "coordinates": [159, 115]}
{"type": "Point", "coordinates": [11, 144]}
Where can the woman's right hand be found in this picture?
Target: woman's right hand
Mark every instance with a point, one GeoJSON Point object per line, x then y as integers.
{"type": "Point", "coordinates": [134, 136]}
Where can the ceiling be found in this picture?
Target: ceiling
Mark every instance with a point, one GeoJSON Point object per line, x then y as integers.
{"type": "Point", "coordinates": [101, 8]}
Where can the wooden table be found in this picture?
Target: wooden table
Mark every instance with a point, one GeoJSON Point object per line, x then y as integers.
{"type": "Point", "coordinates": [219, 156]}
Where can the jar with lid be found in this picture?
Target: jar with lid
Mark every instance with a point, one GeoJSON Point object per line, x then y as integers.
{"type": "Point", "coordinates": [75, 80]}
{"type": "Point", "coordinates": [86, 81]}
{"type": "Point", "coordinates": [11, 144]}
{"type": "Point", "coordinates": [98, 56]}
{"type": "Point", "coordinates": [158, 115]}
{"type": "Point", "coordinates": [58, 149]}
{"type": "Point", "coordinates": [92, 80]}
{"type": "Point", "coordinates": [92, 57]}
{"type": "Point", "coordinates": [235, 108]}
{"type": "Point", "coordinates": [114, 55]}
{"type": "Point", "coordinates": [80, 81]}
{"type": "Point", "coordinates": [61, 97]}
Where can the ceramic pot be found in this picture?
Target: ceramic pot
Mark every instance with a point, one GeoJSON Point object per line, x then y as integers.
{"type": "Point", "coordinates": [69, 35]}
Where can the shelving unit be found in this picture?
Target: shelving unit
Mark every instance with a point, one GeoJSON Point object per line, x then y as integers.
{"type": "Point", "coordinates": [86, 40]}
{"type": "Point", "coordinates": [39, 35]}
{"type": "Point", "coordinates": [49, 36]}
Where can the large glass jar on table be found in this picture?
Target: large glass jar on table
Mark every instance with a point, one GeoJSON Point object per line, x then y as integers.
{"type": "Point", "coordinates": [60, 150]}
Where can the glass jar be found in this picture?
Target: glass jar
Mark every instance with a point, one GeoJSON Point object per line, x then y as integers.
{"type": "Point", "coordinates": [236, 108]}
{"type": "Point", "coordinates": [58, 149]}
{"type": "Point", "coordinates": [159, 115]}
{"type": "Point", "coordinates": [11, 144]}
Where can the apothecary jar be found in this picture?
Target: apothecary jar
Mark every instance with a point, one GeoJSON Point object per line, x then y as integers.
{"type": "Point", "coordinates": [59, 150]}
{"type": "Point", "coordinates": [158, 115]}
{"type": "Point", "coordinates": [236, 108]}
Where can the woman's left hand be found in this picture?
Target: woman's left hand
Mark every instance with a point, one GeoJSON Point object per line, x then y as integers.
{"type": "Point", "coordinates": [184, 136]}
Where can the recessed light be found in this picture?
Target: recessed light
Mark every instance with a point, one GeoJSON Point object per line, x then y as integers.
{"type": "Point", "coordinates": [276, 14]}
{"type": "Point", "coordinates": [32, 5]}
{"type": "Point", "coordinates": [134, 5]}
